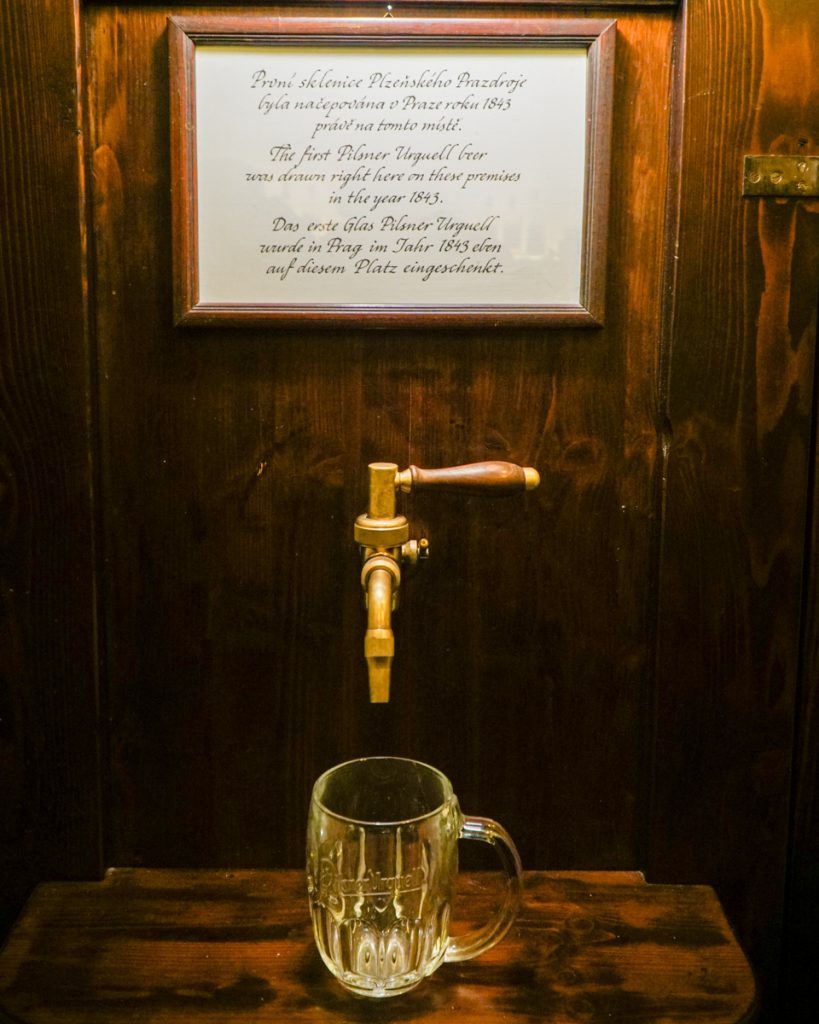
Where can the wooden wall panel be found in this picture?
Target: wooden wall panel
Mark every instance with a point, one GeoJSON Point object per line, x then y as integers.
{"type": "Point", "coordinates": [235, 465]}
{"type": "Point", "coordinates": [802, 894]}
{"type": "Point", "coordinates": [740, 401]}
{"type": "Point", "coordinates": [49, 822]}
{"type": "Point", "coordinates": [531, 663]}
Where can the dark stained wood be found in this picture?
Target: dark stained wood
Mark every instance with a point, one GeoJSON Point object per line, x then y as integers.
{"type": "Point", "coordinates": [49, 809]}
{"type": "Point", "coordinates": [178, 947]}
{"type": "Point", "coordinates": [740, 403]}
{"type": "Point", "coordinates": [800, 933]}
{"type": "Point", "coordinates": [234, 467]}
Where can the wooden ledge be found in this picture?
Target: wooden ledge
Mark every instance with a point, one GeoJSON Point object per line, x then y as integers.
{"type": "Point", "coordinates": [183, 947]}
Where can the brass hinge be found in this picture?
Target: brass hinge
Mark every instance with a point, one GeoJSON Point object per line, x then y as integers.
{"type": "Point", "coordinates": [796, 176]}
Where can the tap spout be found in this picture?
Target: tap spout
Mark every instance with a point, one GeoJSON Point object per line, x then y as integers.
{"type": "Point", "coordinates": [380, 578]}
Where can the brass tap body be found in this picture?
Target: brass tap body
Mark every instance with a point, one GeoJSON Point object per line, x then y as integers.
{"type": "Point", "coordinates": [381, 535]}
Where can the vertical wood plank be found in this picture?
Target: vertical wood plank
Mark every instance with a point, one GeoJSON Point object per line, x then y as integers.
{"type": "Point", "coordinates": [802, 896]}
{"type": "Point", "coordinates": [740, 394]}
{"type": "Point", "coordinates": [49, 805]}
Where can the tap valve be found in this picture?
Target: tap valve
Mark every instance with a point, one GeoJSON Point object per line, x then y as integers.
{"type": "Point", "coordinates": [415, 551]}
{"type": "Point", "coordinates": [383, 537]}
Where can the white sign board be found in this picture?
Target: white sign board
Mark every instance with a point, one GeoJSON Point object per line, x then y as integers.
{"type": "Point", "coordinates": [375, 177]}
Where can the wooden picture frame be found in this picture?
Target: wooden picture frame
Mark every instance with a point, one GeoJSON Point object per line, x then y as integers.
{"type": "Point", "coordinates": [309, 156]}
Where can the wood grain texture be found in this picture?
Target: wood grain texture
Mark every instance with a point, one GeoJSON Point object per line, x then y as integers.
{"type": "Point", "coordinates": [49, 821]}
{"type": "Point", "coordinates": [173, 947]}
{"type": "Point", "coordinates": [740, 400]}
{"type": "Point", "coordinates": [234, 468]}
{"type": "Point", "coordinates": [802, 895]}
{"type": "Point", "coordinates": [233, 465]}
{"type": "Point", "coordinates": [477, 477]}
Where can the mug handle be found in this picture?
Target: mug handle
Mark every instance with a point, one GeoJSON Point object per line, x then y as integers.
{"type": "Point", "coordinates": [464, 947]}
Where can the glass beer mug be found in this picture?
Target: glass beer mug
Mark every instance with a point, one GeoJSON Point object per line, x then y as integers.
{"type": "Point", "coordinates": [382, 857]}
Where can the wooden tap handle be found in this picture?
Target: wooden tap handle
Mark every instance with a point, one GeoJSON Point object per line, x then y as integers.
{"type": "Point", "coordinates": [476, 478]}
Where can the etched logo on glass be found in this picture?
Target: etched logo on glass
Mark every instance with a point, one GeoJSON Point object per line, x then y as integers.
{"type": "Point", "coordinates": [380, 891]}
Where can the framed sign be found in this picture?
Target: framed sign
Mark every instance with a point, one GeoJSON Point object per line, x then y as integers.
{"type": "Point", "coordinates": [390, 170]}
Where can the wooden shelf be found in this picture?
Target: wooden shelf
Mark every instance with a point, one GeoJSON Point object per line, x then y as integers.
{"type": "Point", "coordinates": [181, 947]}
